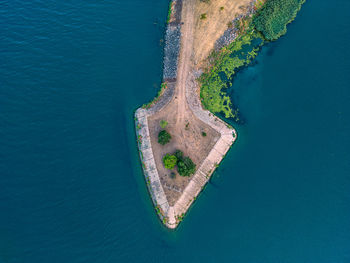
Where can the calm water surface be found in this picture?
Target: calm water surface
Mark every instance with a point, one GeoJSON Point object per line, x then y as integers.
{"type": "Point", "coordinates": [71, 75]}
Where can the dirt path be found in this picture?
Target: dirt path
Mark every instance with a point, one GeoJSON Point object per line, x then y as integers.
{"type": "Point", "coordinates": [185, 64]}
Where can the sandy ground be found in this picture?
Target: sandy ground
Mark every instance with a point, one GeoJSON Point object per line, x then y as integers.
{"type": "Point", "coordinates": [208, 30]}
{"type": "Point", "coordinates": [198, 39]}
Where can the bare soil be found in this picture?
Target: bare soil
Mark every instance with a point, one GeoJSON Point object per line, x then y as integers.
{"type": "Point", "coordinates": [187, 137]}
{"type": "Point", "coordinates": [219, 13]}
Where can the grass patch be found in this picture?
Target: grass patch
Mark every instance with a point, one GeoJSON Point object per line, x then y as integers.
{"type": "Point", "coordinates": [170, 10]}
{"type": "Point", "coordinates": [163, 124]}
{"type": "Point", "coordinates": [269, 23]}
{"type": "Point", "coordinates": [222, 66]}
{"type": "Point", "coordinates": [272, 18]}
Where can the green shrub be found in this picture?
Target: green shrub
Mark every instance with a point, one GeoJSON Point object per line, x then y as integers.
{"type": "Point", "coordinates": [169, 161]}
{"type": "Point", "coordinates": [271, 20]}
{"type": "Point", "coordinates": [164, 137]}
{"type": "Point", "coordinates": [204, 134]}
{"type": "Point", "coordinates": [179, 154]}
{"type": "Point", "coordinates": [185, 165]}
{"type": "Point", "coordinates": [163, 124]}
{"type": "Point", "coordinates": [203, 16]}
{"type": "Point", "coordinates": [169, 12]}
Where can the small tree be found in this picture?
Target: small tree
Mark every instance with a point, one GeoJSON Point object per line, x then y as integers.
{"type": "Point", "coordinates": [163, 124]}
{"type": "Point", "coordinates": [203, 16]}
{"type": "Point", "coordinates": [169, 161]}
{"type": "Point", "coordinates": [185, 165]}
{"type": "Point", "coordinates": [164, 137]}
{"type": "Point", "coordinates": [179, 155]}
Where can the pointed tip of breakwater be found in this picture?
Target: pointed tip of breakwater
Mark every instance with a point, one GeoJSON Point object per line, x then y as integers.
{"type": "Point", "coordinates": [171, 216]}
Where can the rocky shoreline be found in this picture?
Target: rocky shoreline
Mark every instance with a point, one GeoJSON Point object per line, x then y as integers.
{"type": "Point", "coordinates": [231, 33]}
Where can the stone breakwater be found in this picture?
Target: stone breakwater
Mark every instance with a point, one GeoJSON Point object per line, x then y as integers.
{"type": "Point", "coordinates": [172, 42]}
{"type": "Point", "coordinates": [171, 216]}
{"type": "Point", "coordinates": [149, 166]}
{"type": "Point", "coordinates": [232, 32]}
{"type": "Point", "coordinates": [171, 51]}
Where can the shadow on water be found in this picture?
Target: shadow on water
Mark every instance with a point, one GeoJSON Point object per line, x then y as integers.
{"type": "Point", "coordinates": [212, 181]}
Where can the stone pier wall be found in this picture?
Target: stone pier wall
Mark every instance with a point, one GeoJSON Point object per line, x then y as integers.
{"type": "Point", "coordinates": [148, 164]}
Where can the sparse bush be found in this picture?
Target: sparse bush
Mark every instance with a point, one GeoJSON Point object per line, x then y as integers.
{"type": "Point", "coordinates": [204, 134]}
{"type": "Point", "coordinates": [169, 161]}
{"type": "Point", "coordinates": [185, 165]}
{"type": "Point", "coordinates": [203, 16]}
{"type": "Point", "coordinates": [163, 124]}
{"type": "Point", "coordinates": [179, 154]}
{"type": "Point", "coordinates": [164, 137]}
{"type": "Point", "coordinates": [169, 12]}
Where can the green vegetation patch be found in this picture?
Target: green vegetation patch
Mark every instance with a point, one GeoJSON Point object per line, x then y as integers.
{"type": "Point", "coordinates": [169, 12]}
{"type": "Point", "coordinates": [269, 23]}
{"type": "Point", "coordinates": [185, 165]}
{"type": "Point", "coordinates": [164, 137]}
{"type": "Point", "coordinates": [271, 20]}
{"type": "Point", "coordinates": [203, 16]}
{"type": "Point", "coordinates": [169, 161]}
{"type": "Point", "coordinates": [163, 124]}
{"type": "Point", "coordinates": [223, 65]}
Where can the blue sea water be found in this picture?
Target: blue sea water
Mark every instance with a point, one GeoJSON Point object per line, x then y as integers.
{"type": "Point", "coordinates": [72, 190]}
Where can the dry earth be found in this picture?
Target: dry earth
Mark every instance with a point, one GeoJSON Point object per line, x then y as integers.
{"type": "Point", "coordinates": [218, 15]}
